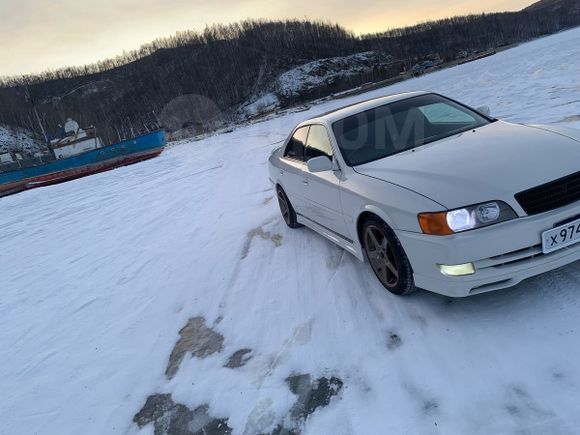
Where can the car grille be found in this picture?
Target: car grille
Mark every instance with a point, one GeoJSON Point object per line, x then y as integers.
{"type": "Point", "coordinates": [550, 196]}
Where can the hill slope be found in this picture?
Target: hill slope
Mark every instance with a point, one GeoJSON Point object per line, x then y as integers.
{"type": "Point", "coordinates": [555, 6]}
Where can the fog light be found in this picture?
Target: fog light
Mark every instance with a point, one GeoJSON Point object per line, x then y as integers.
{"type": "Point", "coordinates": [457, 270]}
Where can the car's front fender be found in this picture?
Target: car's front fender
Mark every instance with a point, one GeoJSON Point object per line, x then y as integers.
{"type": "Point", "coordinates": [397, 206]}
{"type": "Point", "coordinates": [571, 133]}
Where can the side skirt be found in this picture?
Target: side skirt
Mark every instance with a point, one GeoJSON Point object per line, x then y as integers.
{"type": "Point", "coordinates": [344, 243]}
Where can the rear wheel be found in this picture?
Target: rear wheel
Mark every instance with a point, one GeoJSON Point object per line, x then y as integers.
{"type": "Point", "coordinates": [387, 257]}
{"type": "Point", "coordinates": [288, 213]}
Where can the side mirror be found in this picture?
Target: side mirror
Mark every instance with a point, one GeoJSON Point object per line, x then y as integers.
{"type": "Point", "coordinates": [319, 164]}
{"type": "Point", "coordinates": [484, 110]}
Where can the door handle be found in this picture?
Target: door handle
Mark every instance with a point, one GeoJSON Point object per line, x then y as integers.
{"type": "Point", "coordinates": [281, 172]}
{"type": "Point", "coordinates": [305, 182]}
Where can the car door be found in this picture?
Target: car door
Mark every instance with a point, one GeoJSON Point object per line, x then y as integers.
{"type": "Point", "coordinates": [292, 168]}
{"type": "Point", "coordinates": [322, 189]}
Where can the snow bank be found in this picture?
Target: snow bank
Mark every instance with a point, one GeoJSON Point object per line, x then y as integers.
{"type": "Point", "coordinates": [264, 104]}
{"type": "Point", "coordinates": [101, 277]}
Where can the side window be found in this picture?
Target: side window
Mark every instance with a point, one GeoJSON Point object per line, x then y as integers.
{"type": "Point", "coordinates": [318, 143]}
{"type": "Point", "coordinates": [295, 148]}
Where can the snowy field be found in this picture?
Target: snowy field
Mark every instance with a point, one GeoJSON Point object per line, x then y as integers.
{"type": "Point", "coordinates": [98, 277]}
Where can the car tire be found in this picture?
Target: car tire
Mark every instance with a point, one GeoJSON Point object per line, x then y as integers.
{"type": "Point", "coordinates": [387, 260]}
{"type": "Point", "coordinates": [286, 209]}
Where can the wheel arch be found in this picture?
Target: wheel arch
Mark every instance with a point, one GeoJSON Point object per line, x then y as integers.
{"type": "Point", "coordinates": [279, 185]}
{"type": "Point", "coordinates": [374, 212]}
{"type": "Point", "coordinates": [364, 214]}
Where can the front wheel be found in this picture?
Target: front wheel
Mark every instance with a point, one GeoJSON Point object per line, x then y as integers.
{"type": "Point", "coordinates": [387, 257]}
{"type": "Point", "coordinates": [288, 213]}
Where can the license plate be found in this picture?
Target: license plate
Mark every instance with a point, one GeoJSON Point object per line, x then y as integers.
{"type": "Point", "coordinates": [560, 237]}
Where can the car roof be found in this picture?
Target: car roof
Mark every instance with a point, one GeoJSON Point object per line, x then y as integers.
{"type": "Point", "coordinates": [353, 109]}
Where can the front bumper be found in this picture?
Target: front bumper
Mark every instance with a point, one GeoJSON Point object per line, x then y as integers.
{"type": "Point", "coordinates": [503, 254]}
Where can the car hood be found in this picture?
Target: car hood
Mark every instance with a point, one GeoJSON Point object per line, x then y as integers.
{"type": "Point", "coordinates": [493, 162]}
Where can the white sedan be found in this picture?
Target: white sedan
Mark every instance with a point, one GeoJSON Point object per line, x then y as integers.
{"type": "Point", "coordinates": [434, 194]}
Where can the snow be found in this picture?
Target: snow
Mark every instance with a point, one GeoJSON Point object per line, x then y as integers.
{"type": "Point", "coordinates": [18, 140]}
{"type": "Point", "coordinates": [263, 104]}
{"type": "Point", "coordinates": [321, 72]}
{"type": "Point", "coordinates": [99, 275]}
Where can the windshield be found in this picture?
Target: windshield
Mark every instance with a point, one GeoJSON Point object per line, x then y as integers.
{"type": "Point", "coordinates": [400, 126]}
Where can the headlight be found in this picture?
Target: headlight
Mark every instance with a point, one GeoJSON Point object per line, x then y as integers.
{"type": "Point", "coordinates": [455, 221]}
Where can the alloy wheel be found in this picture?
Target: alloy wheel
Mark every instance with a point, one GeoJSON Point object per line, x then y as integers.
{"type": "Point", "coordinates": [284, 207]}
{"type": "Point", "coordinates": [381, 256]}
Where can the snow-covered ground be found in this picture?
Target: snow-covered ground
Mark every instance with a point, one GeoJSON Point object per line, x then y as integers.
{"type": "Point", "coordinates": [98, 277]}
{"type": "Point", "coordinates": [266, 103]}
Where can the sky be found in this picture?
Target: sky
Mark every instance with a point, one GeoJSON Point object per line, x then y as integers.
{"type": "Point", "coordinates": [38, 35]}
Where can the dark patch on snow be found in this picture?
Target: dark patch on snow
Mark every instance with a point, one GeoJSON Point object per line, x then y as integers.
{"type": "Point", "coordinates": [394, 341]}
{"type": "Point", "coordinates": [558, 376]}
{"type": "Point", "coordinates": [196, 338]}
{"type": "Point", "coordinates": [512, 409]}
{"type": "Point", "coordinates": [520, 392]}
{"type": "Point", "coordinates": [311, 396]}
{"type": "Point", "coordinates": [276, 239]}
{"type": "Point", "coordinates": [522, 404]}
{"type": "Point", "coordinates": [280, 430]}
{"type": "Point", "coordinates": [265, 235]}
{"type": "Point", "coordinates": [430, 406]}
{"type": "Point", "coordinates": [239, 358]}
{"type": "Point", "coordinates": [155, 407]}
{"type": "Point", "coordinates": [170, 418]}
{"type": "Point", "coordinates": [426, 403]}
{"type": "Point", "coordinates": [267, 200]}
